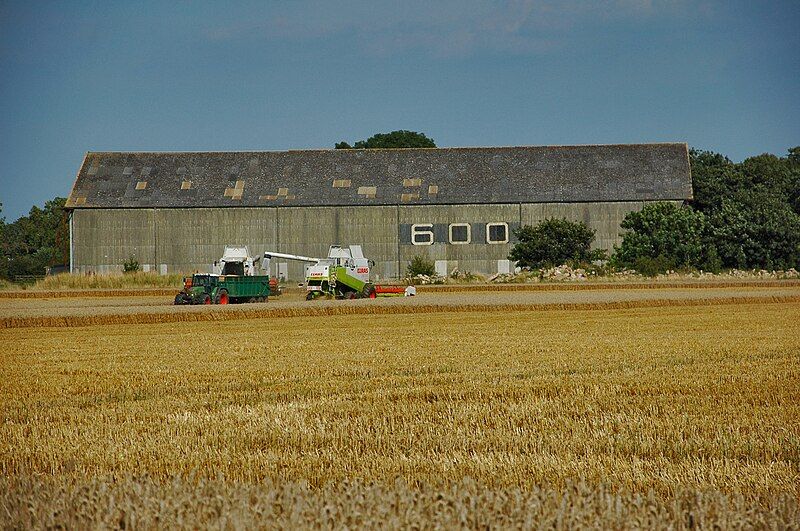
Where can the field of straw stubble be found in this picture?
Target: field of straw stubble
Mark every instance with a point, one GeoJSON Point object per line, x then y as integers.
{"type": "Point", "coordinates": [653, 416]}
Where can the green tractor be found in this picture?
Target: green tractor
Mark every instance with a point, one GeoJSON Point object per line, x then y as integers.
{"type": "Point", "coordinates": [234, 280]}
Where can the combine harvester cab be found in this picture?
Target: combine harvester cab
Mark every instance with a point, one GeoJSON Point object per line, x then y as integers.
{"type": "Point", "coordinates": [344, 274]}
{"type": "Point", "coordinates": [234, 280]}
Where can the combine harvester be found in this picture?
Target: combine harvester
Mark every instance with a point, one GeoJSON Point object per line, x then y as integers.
{"type": "Point", "coordinates": [344, 274]}
{"type": "Point", "coordinates": [234, 279]}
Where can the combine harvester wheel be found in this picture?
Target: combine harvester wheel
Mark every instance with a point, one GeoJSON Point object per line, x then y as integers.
{"type": "Point", "coordinates": [369, 291]}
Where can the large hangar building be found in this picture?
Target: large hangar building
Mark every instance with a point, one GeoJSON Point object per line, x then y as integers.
{"type": "Point", "coordinates": [175, 212]}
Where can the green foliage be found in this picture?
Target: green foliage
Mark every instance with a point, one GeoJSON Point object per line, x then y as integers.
{"type": "Point", "coordinates": [650, 267]}
{"type": "Point", "coordinates": [752, 208]}
{"type": "Point", "coordinates": [420, 265]}
{"type": "Point", "coordinates": [395, 139]}
{"type": "Point", "coordinates": [756, 229]}
{"type": "Point", "coordinates": [553, 242]}
{"type": "Point", "coordinates": [131, 265]}
{"type": "Point", "coordinates": [36, 241]}
{"type": "Point", "coordinates": [663, 236]}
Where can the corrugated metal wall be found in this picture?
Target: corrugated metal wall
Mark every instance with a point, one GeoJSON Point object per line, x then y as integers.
{"type": "Point", "coordinates": [190, 239]}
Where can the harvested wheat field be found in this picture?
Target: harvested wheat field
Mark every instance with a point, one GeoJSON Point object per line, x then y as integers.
{"type": "Point", "coordinates": [663, 416]}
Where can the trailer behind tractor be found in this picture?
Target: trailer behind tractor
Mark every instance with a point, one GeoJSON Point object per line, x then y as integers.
{"type": "Point", "coordinates": [234, 280]}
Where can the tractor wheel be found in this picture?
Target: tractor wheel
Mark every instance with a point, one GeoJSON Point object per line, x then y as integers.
{"type": "Point", "coordinates": [310, 296]}
{"type": "Point", "coordinates": [206, 299]}
{"type": "Point", "coordinates": [222, 297]}
{"type": "Point", "coordinates": [179, 299]}
{"type": "Point", "coordinates": [369, 292]}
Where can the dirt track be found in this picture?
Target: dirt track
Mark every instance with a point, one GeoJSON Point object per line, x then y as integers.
{"type": "Point", "coordinates": [86, 311]}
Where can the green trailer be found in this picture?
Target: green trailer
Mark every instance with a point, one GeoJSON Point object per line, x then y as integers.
{"type": "Point", "coordinates": [223, 289]}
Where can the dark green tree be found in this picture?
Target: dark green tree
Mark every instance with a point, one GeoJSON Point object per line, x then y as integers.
{"type": "Point", "coordinates": [419, 265]}
{"type": "Point", "coordinates": [36, 241]}
{"type": "Point", "coordinates": [395, 139]}
{"type": "Point", "coordinates": [665, 236]}
{"type": "Point", "coordinates": [552, 242]}
{"type": "Point", "coordinates": [756, 229]}
{"type": "Point", "coordinates": [751, 208]}
{"type": "Point", "coordinates": [4, 257]}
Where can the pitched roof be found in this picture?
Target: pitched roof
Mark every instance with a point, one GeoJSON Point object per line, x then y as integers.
{"type": "Point", "coordinates": [532, 174]}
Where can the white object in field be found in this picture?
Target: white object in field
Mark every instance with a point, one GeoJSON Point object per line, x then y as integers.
{"type": "Point", "coordinates": [441, 267]}
{"type": "Point", "coordinates": [503, 267]}
{"type": "Point", "coordinates": [410, 291]}
{"type": "Point", "coordinates": [162, 269]}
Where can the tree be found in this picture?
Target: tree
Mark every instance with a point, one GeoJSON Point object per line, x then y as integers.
{"type": "Point", "coordinates": [419, 265]}
{"type": "Point", "coordinates": [36, 241]}
{"type": "Point", "coordinates": [395, 139]}
{"type": "Point", "coordinates": [4, 257]}
{"type": "Point", "coordinates": [752, 208]}
{"type": "Point", "coordinates": [756, 229]}
{"type": "Point", "coordinates": [552, 242]}
{"type": "Point", "coordinates": [664, 236]}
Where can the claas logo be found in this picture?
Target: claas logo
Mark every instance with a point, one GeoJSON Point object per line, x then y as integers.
{"type": "Point", "coordinates": [363, 270]}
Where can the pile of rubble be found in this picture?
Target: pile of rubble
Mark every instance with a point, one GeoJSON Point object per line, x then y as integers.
{"type": "Point", "coordinates": [737, 274]}
{"type": "Point", "coordinates": [425, 279]}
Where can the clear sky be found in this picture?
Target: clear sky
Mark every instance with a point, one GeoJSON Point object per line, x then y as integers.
{"type": "Point", "coordinates": [722, 75]}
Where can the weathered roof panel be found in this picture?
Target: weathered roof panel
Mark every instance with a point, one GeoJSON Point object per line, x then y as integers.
{"type": "Point", "coordinates": [634, 172]}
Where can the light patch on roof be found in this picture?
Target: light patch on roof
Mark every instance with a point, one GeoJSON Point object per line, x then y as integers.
{"type": "Point", "coordinates": [141, 185]}
{"type": "Point", "coordinates": [433, 189]}
{"type": "Point", "coordinates": [235, 191]}
{"type": "Point", "coordinates": [368, 191]}
{"type": "Point", "coordinates": [412, 182]}
{"type": "Point", "coordinates": [128, 170]}
{"type": "Point", "coordinates": [283, 193]}
{"type": "Point", "coordinates": [341, 183]}
{"type": "Point", "coordinates": [93, 169]}
{"type": "Point", "coordinates": [409, 197]}
{"type": "Point", "coordinates": [186, 185]}
{"type": "Point", "coordinates": [80, 200]}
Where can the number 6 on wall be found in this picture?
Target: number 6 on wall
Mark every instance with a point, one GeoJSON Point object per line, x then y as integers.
{"type": "Point", "coordinates": [422, 234]}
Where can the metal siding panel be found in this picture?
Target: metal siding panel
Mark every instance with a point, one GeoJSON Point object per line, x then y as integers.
{"type": "Point", "coordinates": [191, 239]}
{"type": "Point", "coordinates": [104, 239]}
{"type": "Point", "coordinates": [306, 231]}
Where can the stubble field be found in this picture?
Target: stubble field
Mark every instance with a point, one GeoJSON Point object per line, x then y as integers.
{"type": "Point", "coordinates": [652, 416]}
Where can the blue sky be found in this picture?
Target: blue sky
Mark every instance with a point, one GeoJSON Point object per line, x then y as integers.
{"type": "Point", "coordinates": [171, 76]}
